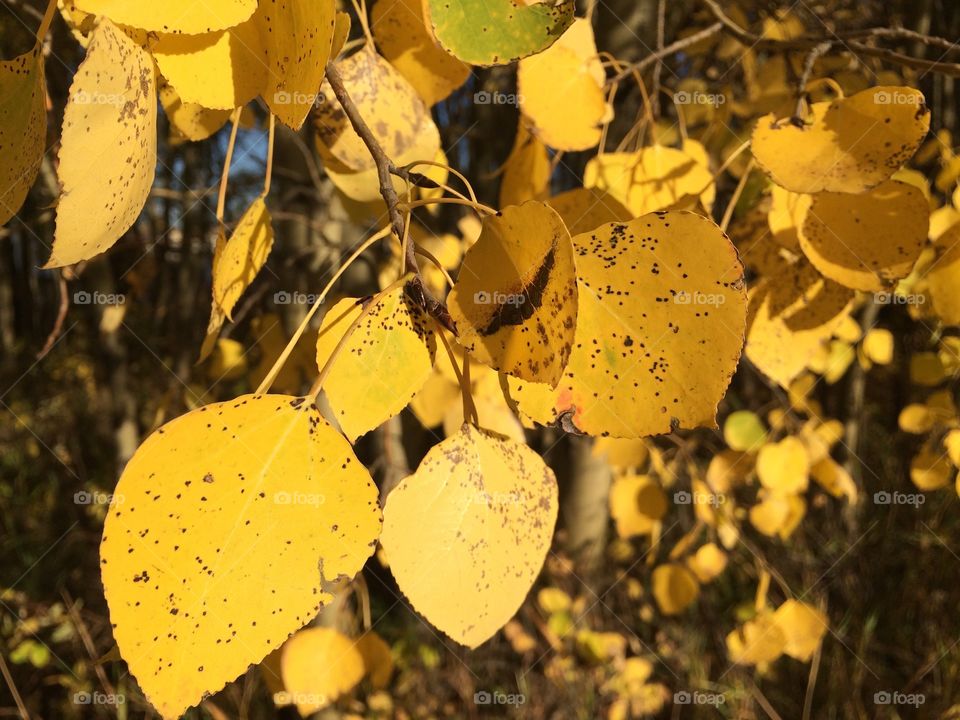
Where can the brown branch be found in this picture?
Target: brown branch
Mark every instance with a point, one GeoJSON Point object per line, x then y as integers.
{"type": "Point", "coordinates": [61, 316]}
{"type": "Point", "coordinates": [385, 168]}
{"type": "Point", "coordinates": [816, 52]}
{"type": "Point", "coordinates": [670, 49]}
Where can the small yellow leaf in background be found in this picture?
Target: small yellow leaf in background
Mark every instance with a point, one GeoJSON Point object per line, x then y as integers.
{"type": "Point", "coordinates": [108, 151]}
{"type": "Point", "coordinates": [650, 179]}
{"type": "Point", "coordinates": [759, 641]}
{"type": "Point", "coordinates": [467, 533]}
{"type": "Point", "coordinates": [931, 469]}
{"type": "Point", "coordinates": [951, 443]}
{"type": "Point", "coordinates": [401, 33]}
{"type": "Point", "coordinates": [584, 209]}
{"type": "Point", "coordinates": [220, 70]}
{"type": "Point", "coordinates": [553, 600]}
{"type": "Point", "coordinates": [655, 294]}
{"type": "Point", "coordinates": [866, 241]}
{"type": "Point", "coordinates": [227, 361]}
{"type": "Point", "coordinates": [707, 562]}
{"type": "Point", "coordinates": [246, 509]}
{"type": "Point", "coordinates": [637, 503]}
{"type": "Point", "coordinates": [674, 588]}
{"type": "Point", "coordinates": [318, 665]}
{"type": "Point", "coordinates": [23, 128]}
{"type": "Point", "coordinates": [834, 478]}
{"type": "Point", "coordinates": [173, 16]}
{"type": "Point", "coordinates": [943, 277]}
{"type": "Point", "coordinates": [803, 627]}
{"type": "Point", "coordinates": [189, 121]}
{"type": "Point", "coordinates": [241, 257]}
{"type": "Point", "coordinates": [515, 300]}
{"type": "Point", "coordinates": [384, 363]}
{"type": "Point", "coordinates": [916, 418]}
{"type": "Point", "coordinates": [601, 647]}
{"type": "Point", "coordinates": [744, 431]}
{"type": "Point", "coordinates": [878, 346]}
{"type": "Point", "coordinates": [847, 145]}
{"type": "Point", "coordinates": [622, 453]}
{"type": "Point", "coordinates": [787, 212]}
{"type": "Point", "coordinates": [777, 514]}
{"type": "Point", "coordinates": [377, 659]}
{"type": "Point", "coordinates": [298, 36]}
{"type": "Point", "coordinates": [526, 173]}
{"type": "Point", "coordinates": [784, 467]}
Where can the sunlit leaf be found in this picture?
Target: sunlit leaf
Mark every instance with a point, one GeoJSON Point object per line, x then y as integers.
{"type": "Point", "coordinates": [784, 466]}
{"type": "Point", "coordinates": [189, 120]}
{"type": "Point", "coordinates": [526, 174]}
{"type": "Point", "coordinates": [318, 665]}
{"type": "Point", "coordinates": [803, 626]}
{"type": "Point", "coordinates": [241, 257]}
{"type": "Point", "coordinates": [23, 128]}
{"type": "Point", "coordinates": [173, 16]}
{"type": "Point", "coordinates": [674, 588]}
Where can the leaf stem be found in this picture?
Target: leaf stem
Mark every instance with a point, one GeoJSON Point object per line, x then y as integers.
{"type": "Point", "coordinates": [270, 140]}
{"type": "Point", "coordinates": [227, 160]}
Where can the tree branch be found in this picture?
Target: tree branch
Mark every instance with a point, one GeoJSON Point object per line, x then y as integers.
{"type": "Point", "coordinates": [385, 168]}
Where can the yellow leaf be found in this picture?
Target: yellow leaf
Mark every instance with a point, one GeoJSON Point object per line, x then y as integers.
{"type": "Point", "coordinates": [778, 515]}
{"type": "Point", "coordinates": [951, 442]}
{"type": "Point", "coordinates": [398, 118]}
{"type": "Point", "coordinates": [792, 313]}
{"type": "Point", "coordinates": [784, 467]}
{"type": "Point", "coordinates": [601, 647]}
{"type": "Point", "coordinates": [848, 145]}
{"type": "Point", "coordinates": [402, 36]}
{"type": "Point", "coordinates": [916, 418]}
{"type": "Point", "coordinates": [384, 363]}
{"type": "Point", "coordinates": [803, 626]}
{"type": "Point", "coordinates": [726, 469]}
{"type": "Point", "coordinates": [622, 453]}
{"type": "Point", "coordinates": [878, 346]}
{"type": "Point", "coordinates": [467, 533]}
{"type": "Point", "coordinates": [707, 562]}
{"type": "Point", "coordinates": [584, 209]}
{"type": "Point", "coordinates": [834, 478]}
{"type": "Point", "coordinates": [220, 70]}
{"type": "Point", "coordinates": [227, 361]}
{"type": "Point", "coordinates": [931, 469]}
{"type": "Point", "coordinates": [495, 414]}
{"type": "Point", "coordinates": [225, 526]}
{"type": "Point", "coordinates": [661, 312]}
{"type": "Point", "coordinates": [515, 300]}
{"type": "Point", "coordinates": [637, 503]}
{"type": "Point", "coordinates": [108, 149]}
{"type": "Point", "coordinates": [943, 277]}
{"type": "Point", "coordinates": [298, 36]}
{"type": "Point", "coordinates": [744, 431]}
{"type": "Point", "coordinates": [926, 369]}
{"type": "Point", "coordinates": [241, 257]}
{"type": "Point", "coordinates": [561, 90]}
{"type": "Point", "coordinates": [173, 16]}
{"type": "Point", "coordinates": [189, 120]}
{"type": "Point", "coordinates": [526, 174]}
{"type": "Point", "coordinates": [787, 212]}
{"type": "Point", "coordinates": [553, 600]}
{"type": "Point", "coordinates": [318, 665]}
{"type": "Point", "coordinates": [23, 127]}
{"type": "Point", "coordinates": [760, 640]}
{"type": "Point", "coordinates": [674, 588]}
{"type": "Point", "coordinates": [650, 179]}
{"type": "Point", "coordinates": [377, 659]}
{"type": "Point", "coordinates": [866, 241]}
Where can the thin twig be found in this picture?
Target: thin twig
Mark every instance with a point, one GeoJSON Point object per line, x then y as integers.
{"type": "Point", "coordinates": [13, 689]}
{"type": "Point", "coordinates": [815, 53]}
{"type": "Point", "coordinates": [669, 50]}
{"type": "Point", "coordinates": [61, 317]}
{"type": "Point", "coordinates": [385, 168]}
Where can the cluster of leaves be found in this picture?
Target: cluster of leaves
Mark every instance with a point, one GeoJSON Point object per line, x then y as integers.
{"type": "Point", "coordinates": [616, 310]}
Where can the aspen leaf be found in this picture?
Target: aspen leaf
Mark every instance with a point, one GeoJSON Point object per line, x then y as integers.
{"type": "Point", "coordinates": [225, 526]}
{"type": "Point", "coordinates": [662, 310]}
{"type": "Point", "coordinates": [834, 478]}
{"type": "Point", "coordinates": [650, 179]}
{"type": "Point", "coordinates": [341, 33]}
{"type": "Point", "coordinates": [848, 145]}
{"type": "Point", "coordinates": [377, 658]}
{"type": "Point", "coordinates": [23, 128]}
{"type": "Point", "coordinates": [637, 503]}
{"type": "Point", "coordinates": [553, 600]}
{"type": "Point", "coordinates": [188, 120]}
{"type": "Point", "coordinates": [916, 419]}
{"type": "Point", "coordinates": [803, 627]}
{"type": "Point", "coordinates": [494, 412]}
{"type": "Point", "coordinates": [951, 443]}
{"type": "Point", "coordinates": [622, 453]}
{"type": "Point", "coordinates": [787, 212]}
{"type": "Point", "coordinates": [878, 346]}
{"type": "Point", "coordinates": [674, 588]}
{"type": "Point", "coordinates": [397, 117]}
{"type": "Point", "coordinates": [515, 300]}
{"type": "Point", "coordinates": [791, 314]}
{"type": "Point", "coordinates": [759, 641]}
{"type": "Point", "coordinates": [561, 90]}
{"type": "Point", "coordinates": [318, 665]}
{"type": "Point", "coordinates": [220, 70]}
{"type": "Point", "coordinates": [931, 469]}
{"type": "Point", "coordinates": [383, 365]}
{"type": "Point", "coordinates": [526, 173]}
{"type": "Point", "coordinates": [497, 32]}
{"type": "Point", "coordinates": [744, 431]}
{"type": "Point", "coordinates": [298, 37]}
{"type": "Point", "coordinates": [777, 514]}
{"type": "Point", "coordinates": [241, 257]}
{"type": "Point", "coordinates": [108, 150]}
{"type": "Point", "coordinates": [784, 467]}
{"type": "Point", "coordinates": [943, 277]}
{"type": "Point", "coordinates": [866, 241]}
{"type": "Point", "coordinates": [479, 513]}
{"type": "Point", "coordinates": [707, 562]}
{"type": "Point", "coordinates": [173, 16]}
{"type": "Point", "coordinates": [401, 33]}
{"type": "Point", "coordinates": [584, 209]}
